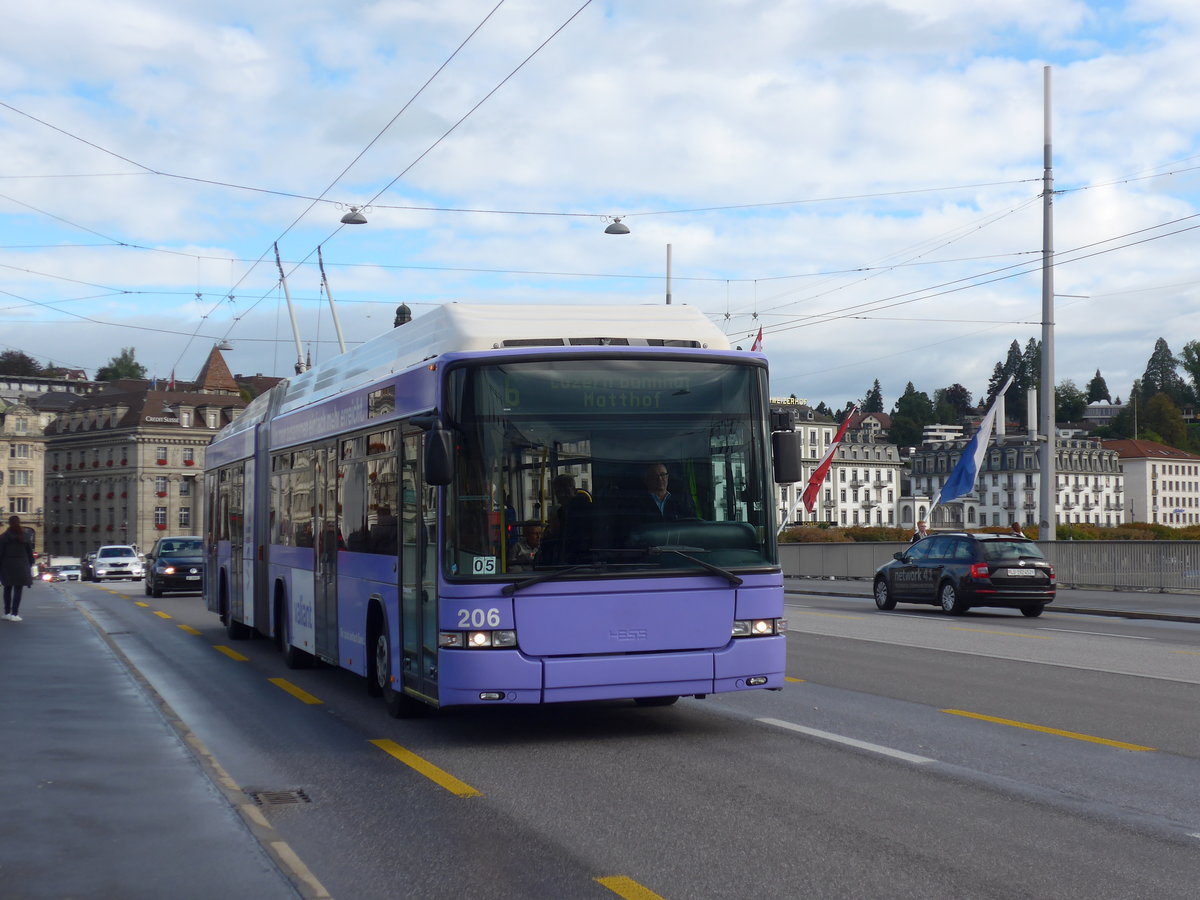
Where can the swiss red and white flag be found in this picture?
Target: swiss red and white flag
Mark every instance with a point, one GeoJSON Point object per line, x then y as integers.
{"type": "Point", "coordinates": [757, 345]}
{"type": "Point", "coordinates": [171, 383]}
{"type": "Point", "coordinates": [818, 476]}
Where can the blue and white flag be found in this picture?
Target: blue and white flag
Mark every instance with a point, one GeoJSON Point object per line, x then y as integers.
{"type": "Point", "coordinates": [962, 479]}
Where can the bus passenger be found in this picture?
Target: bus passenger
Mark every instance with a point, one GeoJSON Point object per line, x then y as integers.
{"type": "Point", "coordinates": [525, 550]}
{"type": "Point", "coordinates": [568, 534]}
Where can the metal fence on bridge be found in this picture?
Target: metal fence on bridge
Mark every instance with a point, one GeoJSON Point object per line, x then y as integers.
{"type": "Point", "coordinates": [1120, 565]}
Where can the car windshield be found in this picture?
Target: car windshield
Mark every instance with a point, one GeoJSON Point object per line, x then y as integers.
{"type": "Point", "coordinates": [1000, 550]}
{"type": "Point", "coordinates": [182, 547]}
{"type": "Point", "coordinates": [115, 552]}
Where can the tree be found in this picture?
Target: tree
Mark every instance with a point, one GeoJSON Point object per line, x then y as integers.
{"type": "Point", "coordinates": [822, 410]}
{"type": "Point", "coordinates": [873, 402]}
{"type": "Point", "coordinates": [1018, 365]}
{"type": "Point", "coordinates": [1069, 402]}
{"type": "Point", "coordinates": [1163, 418]}
{"type": "Point", "coordinates": [1097, 389]}
{"type": "Point", "coordinates": [1161, 376]}
{"type": "Point", "coordinates": [913, 411]}
{"type": "Point", "coordinates": [15, 362]}
{"type": "Point", "coordinates": [957, 396]}
{"type": "Point", "coordinates": [1189, 358]}
{"type": "Point", "coordinates": [121, 366]}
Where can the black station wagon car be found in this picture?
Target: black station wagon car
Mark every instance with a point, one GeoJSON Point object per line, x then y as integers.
{"type": "Point", "coordinates": [959, 571]}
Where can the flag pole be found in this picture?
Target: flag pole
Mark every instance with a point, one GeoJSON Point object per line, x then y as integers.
{"type": "Point", "coordinates": [1048, 495]}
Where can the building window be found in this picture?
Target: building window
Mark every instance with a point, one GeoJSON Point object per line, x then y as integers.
{"type": "Point", "coordinates": [161, 456]}
{"type": "Point", "coordinates": [21, 425]}
{"type": "Point", "coordinates": [160, 515]}
{"type": "Point", "coordinates": [185, 418]}
{"type": "Point", "coordinates": [185, 517]}
{"type": "Point", "coordinates": [19, 451]}
{"type": "Point", "coordinates": [189, 456]}
{"type": "Point", "coordinates": [20, 477]}
{"type": "Point", "coordinates": [160, 484]}
{"type": "Point", "coordinates": [185, 487]}
{"type": "Point", "coordinates": [20, 504]}
{"type": "Point", "coordinates": [212, 420]}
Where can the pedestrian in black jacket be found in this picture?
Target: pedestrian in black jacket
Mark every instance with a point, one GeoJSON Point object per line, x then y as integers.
{"type": "Point", "coordinates": [16, 566]}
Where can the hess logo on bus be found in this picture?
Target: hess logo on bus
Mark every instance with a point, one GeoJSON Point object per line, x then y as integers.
{"type": "Point", "coordinates": [628, 634]}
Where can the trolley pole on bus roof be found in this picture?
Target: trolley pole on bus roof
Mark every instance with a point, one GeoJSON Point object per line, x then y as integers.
{"type": "Point", "coordinates": [301, 366]}
{"type": "Point", "coordinates": [337, 325]}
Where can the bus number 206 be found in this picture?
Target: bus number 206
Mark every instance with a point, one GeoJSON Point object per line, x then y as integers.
{"type": "Point", "coordinates": [478, 618]}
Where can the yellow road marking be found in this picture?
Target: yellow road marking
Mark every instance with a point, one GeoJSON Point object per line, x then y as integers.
{"type": "Point", "coordinates": [1067, 734]}
{"type": "Point", "coordinates": [142, 603]}
{"type": "Point", "coordinates": [1189, 652]}
{"type": "Point", "coordinates": [809, 612]}
{"type": "Point", "coordinates": [161, 614]}
{"type": "Point", "coordinates": [1040, 637]}
{"type": "Point", "coordinates": [790, 678]}
{"type": "Point", "coordinates": [231, 653]}
{"type": "Point", "coordinates": [428, 769]}
{"type": "Point", "coordinates": [299, 693]}
{"type": "Point", "coordinates": [189, 629]}
{"type": "Point", "coordinates": [628, 888]}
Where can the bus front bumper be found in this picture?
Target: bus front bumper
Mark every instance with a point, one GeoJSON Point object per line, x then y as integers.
{"type": "Point", "coordinates": [471, 677]}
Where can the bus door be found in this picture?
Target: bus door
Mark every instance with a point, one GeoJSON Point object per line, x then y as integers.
{"type": "Point", "coordinates": [328, 540]}
{"type": "Point", "coordinates": [418, 571]}
{"type": "Point", "coordinates": [252, 603]}
{"type": "Point", "coordinates": [234, 490]}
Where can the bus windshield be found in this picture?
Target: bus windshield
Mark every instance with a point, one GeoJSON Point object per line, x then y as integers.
{"type": "Point", "coordinates": [608, 467]}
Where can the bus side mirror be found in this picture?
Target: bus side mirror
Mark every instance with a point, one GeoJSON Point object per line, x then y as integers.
{"type": "Point", "coordinates": [439, 456]}
{"type": "Point", "coordinates": [786, 450]}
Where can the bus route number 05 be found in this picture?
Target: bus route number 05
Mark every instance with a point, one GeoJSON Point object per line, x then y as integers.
{"type": "Point", "coordinates": [478, 618]}
{"type": "Point", "coordinates": [483, 565]}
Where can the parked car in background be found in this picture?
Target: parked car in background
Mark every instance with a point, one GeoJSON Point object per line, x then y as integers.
{"type": "Point", "coordinates": [65, 572]}
{"type": "Point", "coordinates": [959, 571]}
{"type": "Point", "coordinates": [116, 561]}
{"type": "Point", "coordinates": [175, 564]}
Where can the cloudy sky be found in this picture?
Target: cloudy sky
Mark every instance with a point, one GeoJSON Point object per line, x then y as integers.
{"type": "Point", "coordinates": [861, 180]}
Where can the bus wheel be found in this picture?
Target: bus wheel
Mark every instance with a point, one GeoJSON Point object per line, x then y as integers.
{"type": "Point", "coordinates": [399, 705]}
{"type": "Point", "coordinates": [295, 658]}
{"type": "Point", "coordinates": [654, 701]}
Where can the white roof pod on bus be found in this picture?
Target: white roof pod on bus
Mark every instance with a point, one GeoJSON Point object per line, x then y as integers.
{"type": "Point", "coordinates": [471, 326]}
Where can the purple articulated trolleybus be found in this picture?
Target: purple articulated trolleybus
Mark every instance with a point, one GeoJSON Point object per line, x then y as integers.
{"type": "Point", "coordinates": [470, 510]}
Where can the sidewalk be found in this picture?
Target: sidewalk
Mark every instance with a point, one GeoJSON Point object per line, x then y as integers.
{"type": "Point", "coordinates": [101, 796]}
{"type": "Point", "coordinates": [1121, 604]}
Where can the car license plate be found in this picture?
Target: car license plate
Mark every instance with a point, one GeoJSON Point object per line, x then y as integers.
{"type": "Point", "coordinates": [1019, 572]}
{"type": "Point", "coordinates": [193, 578]}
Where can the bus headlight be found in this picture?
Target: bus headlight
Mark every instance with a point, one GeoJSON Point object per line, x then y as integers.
{"type": "Point", "coordinates": [759, 627]}
{"type": "Point", "coordinates": [477, 640]}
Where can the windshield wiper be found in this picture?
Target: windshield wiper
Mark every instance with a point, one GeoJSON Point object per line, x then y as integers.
{"type": "Point", "coordinates": [549, 575]}
{"type": "Point", "coordinates": [686, 552]}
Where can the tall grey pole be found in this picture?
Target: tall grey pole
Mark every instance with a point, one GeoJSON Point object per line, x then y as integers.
{"type": "Point", "coordinates": [1048, 505]}
{"type": "Point", "coordinates": [300, 364]}
{"type": "Point", "coordinates": [668, 274]}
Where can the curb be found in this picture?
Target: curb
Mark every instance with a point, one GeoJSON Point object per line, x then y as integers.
{"type": "Point", "coordinates": [1076, 610]}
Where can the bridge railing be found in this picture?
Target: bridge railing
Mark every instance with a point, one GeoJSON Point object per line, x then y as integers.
{"type": "Point", "coordinates": [1120, 565]}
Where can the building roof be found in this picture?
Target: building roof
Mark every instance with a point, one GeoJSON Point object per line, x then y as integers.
{"type": "Point", "coordinates": [1130, 449]}
{"type": "Point", "coordinates": [883, 419]}
{"type": "Point", "coordinates": [215, 377]}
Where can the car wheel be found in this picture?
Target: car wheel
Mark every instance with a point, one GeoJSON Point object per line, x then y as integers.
{"type": "Point", "coordinates": [146, 588]}
{"type": "Point", "coordinates": [952, 604]}
{"type": "Point", "coordinates": [156, 591]}
{"type": "Point", "coordinates": [883, 596]}
{"type": "Point", "coordinates": [1032, 612]}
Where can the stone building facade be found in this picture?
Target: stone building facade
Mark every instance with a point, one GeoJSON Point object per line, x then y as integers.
{"type": "Point", "coordinates": [123, 465]}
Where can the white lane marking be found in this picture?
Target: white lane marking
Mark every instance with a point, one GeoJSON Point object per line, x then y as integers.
{"type": "Point", "coordinates": [1128, 637]}
{"type": "Point", "coordinates": [849, 742]}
